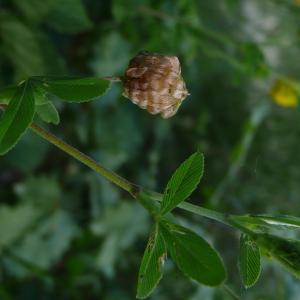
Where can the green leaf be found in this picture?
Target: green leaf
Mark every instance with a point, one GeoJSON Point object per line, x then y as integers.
{"type": "Point", "coordinates": [35, 10]}
{"type": "Point", "coordinates": [150, 271]}
{"type": "Point", "coordinates": [280, 221]}
{"type": "Point", "coordinates": [39, 93]}
{"type": "Point", "coordinates": [249, 261]}
{"type": "Point", "coordinates": [263, 223]}
{"type": "Point", "coordinates": [45, 244]}
{"type": "Point", "coordinates": [7, 93]}
{"type": "Point", "coordinates": [76, 90]}
{"type": "Point", "coordinates": [48, 113]}
{"type": "Point", "coordinates": [68, 16]}
{"type": "Point", "coordinates": [193, 255]}
{"type": "Point", "coordinates": [253, 59]}
{"type": "Point", "coordinates": [285, 251]}
{"type": "Point", "coordinates": [17, 117]}
{"type": "Point", "coordinates": [183, 182]}
{"type": "Point", "coordinates": [20, 44]}
{"type": "Point", "coordinates": [14, 221]}
{"type": "Point", "coordinates": [107, 58]}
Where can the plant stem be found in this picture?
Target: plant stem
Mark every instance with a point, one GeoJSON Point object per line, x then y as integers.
{"type": "Point", "coordinates": [133, 189]}
{"type": "Point", "coordinates": [126, 185]}
{"type": "Point", "coordinates": [198, 210]}
{"type": "Point", "coordinates": [123, 183]}
{"type": "Point", "coordinates": [205, 212]}
{"type": "Point", "coordinates": [86, 160]}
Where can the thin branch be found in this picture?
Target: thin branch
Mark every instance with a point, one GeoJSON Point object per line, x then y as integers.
{"type": "Point", "coordinates": [123, 183]}
{"type": "Point", "coordinates": [198, 210]}
{"type": "Point", "coordinates": [86, 160]}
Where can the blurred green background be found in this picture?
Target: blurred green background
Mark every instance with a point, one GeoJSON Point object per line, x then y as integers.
{"type": "Point", "coordinates": [66, 233]}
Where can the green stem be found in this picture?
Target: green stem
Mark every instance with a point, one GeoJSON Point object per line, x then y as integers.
{"type": "Point", "coordinates": [226, 219]}
{"type": "Point", "coordinates": [126, 185]}
{"type": "Point", "coordinates": [198, 210]}
{"type": "Point", "coordinates": [133, 189]}
{"type": "Point", "coordinates": [86, 160]}
{"type": "Point", "coordinates": [205, 212]}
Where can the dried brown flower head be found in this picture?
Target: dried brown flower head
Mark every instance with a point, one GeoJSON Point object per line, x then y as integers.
{"type": "Point", "coordinates": [153, 82]}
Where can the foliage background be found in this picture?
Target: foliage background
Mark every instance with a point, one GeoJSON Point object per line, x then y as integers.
{"type": "Point", "coordinates": [65, 233]}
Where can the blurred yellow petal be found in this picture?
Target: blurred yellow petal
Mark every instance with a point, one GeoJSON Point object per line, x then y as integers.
{"type": "Point", "coordinates": [284, 94]}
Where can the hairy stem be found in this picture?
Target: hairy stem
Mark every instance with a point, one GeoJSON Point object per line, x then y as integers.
{"type": "Point", "coordinates": [86, 160]}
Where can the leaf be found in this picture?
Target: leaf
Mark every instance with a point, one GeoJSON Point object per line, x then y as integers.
{"type": "Point", "coordinates": [42, 192]}
{"type": "Point", "coordinates": [253, 59]}
{"type": "Point", "coordinates": [48, 113]}
{"type": "Point", "coordinates": [183, 182]}
{"type": "Point", "coordinates": [17, 117]}
{"type": "Point", "coordinates": [45, 244]}
{"type": "Point", "coordinates": [285, 251]}
{"type": "Point", "coordinates": [40, 95]}
{"type": "Point", "coordinates": [263, 223]}
{"type": "Point", "coordinates": [120, 226]}
{"type": "Point", "coordinates": [150, 270]}
{"type": "Point", "coordinates": [20, 44]}
{"type": "Point", "coordinates": [68, 16]}
{"type": "Point", "coordinates": [193, 255]}
{"type": "Point", "coordinates": [107, 58]}
{"type": "Point", "coordinates": [249, 260]}
{"type": "Point", "coordinates": [76, 90]}
{"type": "Point", "coordinates": [10, 229]}
{"type": "Point", "coordinates": [279, 221]}
{"type": "Point", "coordinates": [41, 8]}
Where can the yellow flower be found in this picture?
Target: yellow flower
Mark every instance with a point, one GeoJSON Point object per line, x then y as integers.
{"type": "Point", "coordinates": [284, 93]}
